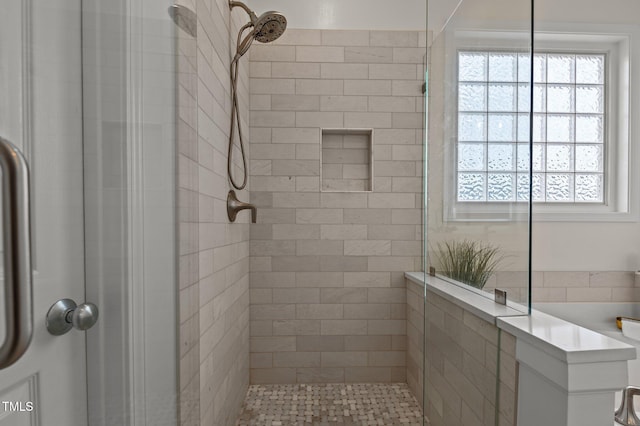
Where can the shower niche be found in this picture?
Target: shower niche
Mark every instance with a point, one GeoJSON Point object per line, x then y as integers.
{"type": "Point", "coordinates": [346, 160]}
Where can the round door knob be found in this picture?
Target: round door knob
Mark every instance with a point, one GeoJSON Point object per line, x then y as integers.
{"type": "Point", "coordinates": [65, 315]}
{"type": "Point", "coordinates": [84, 316]}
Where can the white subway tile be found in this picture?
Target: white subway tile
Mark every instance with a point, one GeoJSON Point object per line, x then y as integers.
{"type": "Point", "coordinates": [319, 311]}
{"type": "Point", "coordinates": [296, 295]}
{"type": "Point", "coordinates": [320, 87]}
{"type": "Point", "coordinates": [260, 70]}
{"type": "Point", "coordinates": [367, 119]}
{"type": "Point", "coordinates": [344, 71]}
{"type": "Point", "coordinates": [407, 88]}
{"type": "Point", "coordinates": [296, 135]}
{"type": "Point", "coordinates": [295, 102]}
{"type": "Point", "coordinates": [260, 167]}
{"type": "Point", "coordinates": [320, 279]}
{"type": "Point", "coordinates": [319, 54]}
{"type": "Point", "coordinates": [272, 183]}
{"type": "Point", "coordinates": [273, 344]}
{"type": "Point", "coordinates": [394, 137]}
{"type": "Point", "coordinates": [576, 294]}
{"type": "Point", "coordinates": [391, 200]}
{"type": "Point", "coordinates": [295, 232]}
{"type": "Point", "coordinates": [299, 37]}
{"type": "Point", "coordinates": [343, 103]}
{"type": "Point", "coordinates": [319, 216]}
{"type": "Point", "coordinates": [260, 102]}
{"type": "Point", "coordinates": [296, 327]}
{"type": "Point", "coordinates": [296, 200]}
{"type": "Point", "coordinates": [392, 104]}
{"type": "Point", "coordinates": [272, 118]}
{"type": "Point", "coordinates": [565, 279]}
{"type": "Point", "coordinates": [272, 53]}
{"type": "Point", "coordinates": [407, 152]}
{"type": "Point", "coordinates": [367, 279]}
{"type": "Point", "coordinates": [319, 119]}
{"type": "Point", "coordinates": [296, 359]}
{"type": "Point", "coordinates": [409, 55]}
{"type": "Point", "coordinates": [394, 168]}
{"type": "Point", "coordinates": [343, 327]}
{"type": "Point", "coordinates": [392, 72]}
{"type": "Point", "coordinates": [295, 70]}
{"type": "Point", "coordinates": [408, 120]}
{"type": "Point", "coordinates": [611, 279]}
{"type": "Point", "coordinates": [344, 359]}
{"type": "Point", "coordinates": [343, 295]}
{"type": "Point", "coordinates": [407, 184]}
{"type": "Point", "coordinates": [273, 152]}
{"type": "Point", "coordinates": [320, 247]}
{"type": "Point", "coordinates": [295, 168]}
{"type": "Point", "coordinates": [307, 152]}
{"type": "Point", "coordinates": [268, 86]}
{"type": "Point", "coordinates": [307, 184]}
{"type": "Point", "coordinates": [369, 55]}
{"type": "Point", "coordinates": [367, 248]}
{"type": "Point", "coordinates": [345, 38]}
{"type": "Point", "coordinates": [387, 327]}
{"type": "Point", "coordinates": [366, 87]}
{"type": "Point", "coordinates": [273, 311]}
{"type": "Point", "coordinates": [343, 232]}
{"type": "Point", "coordinates": [394, 38]}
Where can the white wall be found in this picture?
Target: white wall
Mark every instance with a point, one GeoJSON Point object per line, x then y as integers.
{"type": "Point", "coordinates": [590, 246]}
{"type": "Point", "coordinates": [348, 14]}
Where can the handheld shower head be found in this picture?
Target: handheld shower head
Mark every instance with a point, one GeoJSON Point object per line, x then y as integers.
{"type": "Point", "coordinates": [269, 26]}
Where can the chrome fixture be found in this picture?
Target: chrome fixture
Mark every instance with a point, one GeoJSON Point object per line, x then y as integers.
{"type": "Point", "coordinates": [184, 18]}
{"type": "Point", "coordinates": [265, 28]}
{"type": "Point", "coordinates": [234, 206]}
{"type": "Point", "coordinates": [65, 315]}
{"type": "Point", "coordinates": [626, 414]}
{"type": "Point", "coordinates": [17, 254]}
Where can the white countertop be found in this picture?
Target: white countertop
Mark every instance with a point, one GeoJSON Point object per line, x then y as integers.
{"type": "Point", "coordinates": [566, 341]}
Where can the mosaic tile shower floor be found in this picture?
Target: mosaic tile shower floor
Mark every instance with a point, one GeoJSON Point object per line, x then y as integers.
{"type": "Point", "coordinates": [330, 404]}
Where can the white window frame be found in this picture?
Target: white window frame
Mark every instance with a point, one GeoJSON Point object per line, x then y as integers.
{"type": "Point", "coordinates": [622, 117]}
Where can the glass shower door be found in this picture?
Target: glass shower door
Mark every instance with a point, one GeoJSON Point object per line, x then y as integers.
{"type": "Point", "coordinates": [87, 94]}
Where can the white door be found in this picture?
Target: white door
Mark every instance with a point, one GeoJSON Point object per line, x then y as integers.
{"type": "Point", "coordinates": [41, 113]}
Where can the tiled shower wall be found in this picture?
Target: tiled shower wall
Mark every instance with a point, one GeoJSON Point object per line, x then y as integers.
{"type": "Point", "coordinates": [327, 288]}
{"type": "Point", "coordinates": [214, 254]}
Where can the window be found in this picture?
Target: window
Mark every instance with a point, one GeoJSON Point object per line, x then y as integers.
{"type": "Point", "coordinates": [568, 127]}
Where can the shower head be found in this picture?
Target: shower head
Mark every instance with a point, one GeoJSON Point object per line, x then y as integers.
{"type": "Point", "coordinates": [267, 27]}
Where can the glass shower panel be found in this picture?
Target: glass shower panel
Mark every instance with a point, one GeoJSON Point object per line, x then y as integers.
{"type": "Point", "coordinates": [129, 109]}
{"type": "Point", "coordinates": [479, 156]}
{"type": "Point", "coordinates": [479, 184]}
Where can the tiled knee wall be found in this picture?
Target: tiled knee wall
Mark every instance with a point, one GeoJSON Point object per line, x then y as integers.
{"type": "Point", "coordinates": [327, 288]}
{"type": "Point", "coordinates": [462, 363]}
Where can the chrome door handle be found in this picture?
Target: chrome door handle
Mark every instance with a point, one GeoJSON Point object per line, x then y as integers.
{"type": "Point", "coordinates": [17, 254]}
{"type": "Point", "coordinates": [65, 315]}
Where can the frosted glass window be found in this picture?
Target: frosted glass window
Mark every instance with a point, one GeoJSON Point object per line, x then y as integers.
{"type": "Point", "coordinates": [494, 127]}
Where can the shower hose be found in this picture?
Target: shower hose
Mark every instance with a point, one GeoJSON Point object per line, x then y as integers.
{"type": "Point", "coordinates": [241, 48]}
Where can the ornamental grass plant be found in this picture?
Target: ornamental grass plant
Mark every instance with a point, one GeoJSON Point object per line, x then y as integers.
{"type": "Point", "coordinates": [469, 262]}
